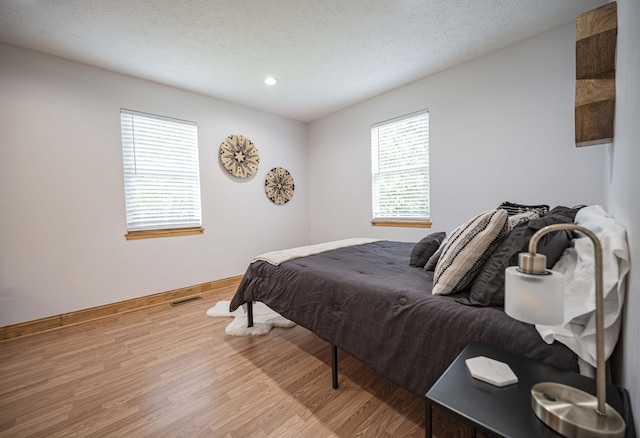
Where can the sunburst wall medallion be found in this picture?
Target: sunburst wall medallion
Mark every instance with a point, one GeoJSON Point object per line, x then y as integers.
{"type": "Point", "coordinates": [279, 185]}
{"type": "Point", "coordinates": [239, 156]}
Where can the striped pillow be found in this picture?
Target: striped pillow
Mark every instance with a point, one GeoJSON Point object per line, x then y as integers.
{"type": "Point", "coordinates": [521, 218]}
{"type": "Point", "coordinates": [513, 208]}
{"type": "Point", "coordinates": [467, 250]}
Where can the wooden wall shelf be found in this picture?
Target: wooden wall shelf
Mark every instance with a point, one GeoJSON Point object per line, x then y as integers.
{"type": "Point", "coordinates": [596, 35]}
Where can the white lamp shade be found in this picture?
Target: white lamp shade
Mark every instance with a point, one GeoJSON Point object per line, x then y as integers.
{"type": "Point", "coordinates": [533, 298]}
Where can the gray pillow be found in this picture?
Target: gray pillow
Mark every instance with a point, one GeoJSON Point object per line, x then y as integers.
{"type": "Point", "coordinates": [433, 260]}
{"type": "Point", "coordinates": [488, 286]}
{"type": "Point", "coordinates": [425, 249]}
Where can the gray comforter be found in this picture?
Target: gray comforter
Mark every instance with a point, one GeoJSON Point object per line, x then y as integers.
{"type": "Point", "coordinates": [369, 302]}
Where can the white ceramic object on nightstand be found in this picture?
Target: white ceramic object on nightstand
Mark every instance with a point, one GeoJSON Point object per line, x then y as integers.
{"type": "Point", "coordinates": [491, 371]}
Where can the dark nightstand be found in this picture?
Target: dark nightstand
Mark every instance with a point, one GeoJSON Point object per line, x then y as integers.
{"type": "Point", "coordinates": [506, 411]}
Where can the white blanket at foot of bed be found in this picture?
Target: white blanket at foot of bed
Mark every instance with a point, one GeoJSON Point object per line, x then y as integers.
{"type": "Point", "coordinates": [277, 257]}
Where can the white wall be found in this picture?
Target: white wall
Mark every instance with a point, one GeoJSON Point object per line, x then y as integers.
{"type": "Point", "coordinates": [62, 218]}
{"type": "Point", "coordinates": [501, 128]}
{"type": "Point", "coordinates": [624, 182]}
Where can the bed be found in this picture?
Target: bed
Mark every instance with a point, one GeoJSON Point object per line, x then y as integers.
{"type": "Point", "coordinates": [366, 300]}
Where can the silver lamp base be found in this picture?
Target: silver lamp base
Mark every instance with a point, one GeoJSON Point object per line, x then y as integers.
{"type": "Point", "coordinates": [573, 413]}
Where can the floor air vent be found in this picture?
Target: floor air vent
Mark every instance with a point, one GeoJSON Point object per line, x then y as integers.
{"type": "Point", "coordinates": [185, 301]}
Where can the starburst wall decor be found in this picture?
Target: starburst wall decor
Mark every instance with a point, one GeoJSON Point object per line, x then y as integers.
{"type": "Point", "coordinates": [279, 185]}
{"type": "Point", "coordinates": [239, 156]}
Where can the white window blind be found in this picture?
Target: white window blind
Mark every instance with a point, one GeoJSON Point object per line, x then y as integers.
{"type": "Point", "coordinates": [161, 172]}
{"type": "Point", "coordinates": [400, 167]}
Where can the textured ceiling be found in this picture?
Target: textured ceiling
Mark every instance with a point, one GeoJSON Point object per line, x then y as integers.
{"type": "Point", "coordinates": [326, 54]}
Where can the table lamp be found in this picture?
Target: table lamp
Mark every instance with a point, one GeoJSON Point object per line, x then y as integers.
{"type": "Point", "coordinates": [535, 295]}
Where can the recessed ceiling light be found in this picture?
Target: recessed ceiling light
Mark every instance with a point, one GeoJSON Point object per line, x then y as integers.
{"type": "Point", "coordinates": [270, 80]}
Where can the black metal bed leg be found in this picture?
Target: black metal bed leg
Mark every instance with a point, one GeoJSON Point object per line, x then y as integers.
{"type": "Point", "coordinates": [249, 313]}
{"type": "Point", "coordinates": [334, 366]}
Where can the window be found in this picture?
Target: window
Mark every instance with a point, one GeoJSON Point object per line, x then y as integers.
{"type": "Point", "coordinates": [400, 171]}
{"type": "Point", "coordinates": [161, 175]}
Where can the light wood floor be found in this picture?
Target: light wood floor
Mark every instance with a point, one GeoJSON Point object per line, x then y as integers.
{"type": "Point", "coordinates": [173, 372]}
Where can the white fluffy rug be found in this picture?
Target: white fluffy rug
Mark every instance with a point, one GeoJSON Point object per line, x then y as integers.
{"type": "Point", "coordinates": [264, 319]}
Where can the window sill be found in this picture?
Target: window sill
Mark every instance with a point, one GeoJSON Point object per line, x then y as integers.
{"type": "Point", "coordinates": [398, 223]}
{"type": "Point", "coordinates": [150, 234]}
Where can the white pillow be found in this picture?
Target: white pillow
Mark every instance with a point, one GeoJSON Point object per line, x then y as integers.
{"type": "Point", "coordinates": [467, 249]}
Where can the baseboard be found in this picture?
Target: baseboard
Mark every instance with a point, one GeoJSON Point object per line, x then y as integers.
{"type": "Point", "coordinates": [84, 315]}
